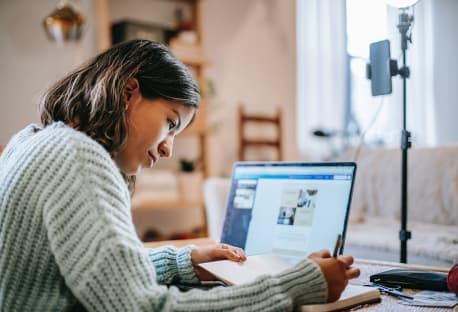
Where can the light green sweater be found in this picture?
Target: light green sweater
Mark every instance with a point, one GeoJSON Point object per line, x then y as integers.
{"type": "Point", "coordinates": [67, 240]}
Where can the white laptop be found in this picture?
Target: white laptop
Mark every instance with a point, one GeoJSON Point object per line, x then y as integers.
{"type": "Point", "coordinates": [288, 208]}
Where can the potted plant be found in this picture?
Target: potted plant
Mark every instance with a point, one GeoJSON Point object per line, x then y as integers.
{"type": "Point", "coordinates": [187, 165]}
{"type": "Point", "coordinates": [189, 181]}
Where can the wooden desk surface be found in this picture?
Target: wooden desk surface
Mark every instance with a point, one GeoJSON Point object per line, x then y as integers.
{"type": "Point", "coordinates": [367, 267]}
{"type": "Point", "coordinates": [390, 303]}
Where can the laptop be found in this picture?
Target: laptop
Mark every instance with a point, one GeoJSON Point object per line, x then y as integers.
{"type": "Point", "coordinates": [288, 208]}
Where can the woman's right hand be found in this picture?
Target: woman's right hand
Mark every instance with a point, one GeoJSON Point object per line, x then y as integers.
{"type": "Point", "coordinates": [336, 271]}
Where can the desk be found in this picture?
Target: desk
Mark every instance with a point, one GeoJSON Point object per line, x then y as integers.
{"type": "Point", "coordinates": [389, 303]}
{"type": "Point", "coordinates": [367, 267]}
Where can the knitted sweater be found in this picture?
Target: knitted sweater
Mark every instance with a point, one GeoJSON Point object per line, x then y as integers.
{"type": "Point", "coordinates": [67, 241]}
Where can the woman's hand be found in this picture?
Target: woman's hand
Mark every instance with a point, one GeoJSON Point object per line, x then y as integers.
{"type": "Point", "coordinates": [336, 271]}
{"type": "Point", "coordinates": [214, 253]}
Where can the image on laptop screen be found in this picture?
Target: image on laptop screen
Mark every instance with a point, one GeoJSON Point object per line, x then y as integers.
{"type": "Point", "coordinates": [290, 209]}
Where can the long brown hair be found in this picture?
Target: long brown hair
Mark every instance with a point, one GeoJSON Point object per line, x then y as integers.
{"type": "Point", "coordinates": [90, 98]}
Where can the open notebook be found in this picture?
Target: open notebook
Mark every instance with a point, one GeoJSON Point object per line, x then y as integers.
{"type": "Point", "coordinates": [233, 273]}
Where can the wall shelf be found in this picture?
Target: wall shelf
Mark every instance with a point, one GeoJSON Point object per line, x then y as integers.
{"type": "Point", "coordinates": [191, 54]}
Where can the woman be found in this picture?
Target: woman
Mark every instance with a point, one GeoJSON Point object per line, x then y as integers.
{"type": "Point", "coordinates": [67, 241]}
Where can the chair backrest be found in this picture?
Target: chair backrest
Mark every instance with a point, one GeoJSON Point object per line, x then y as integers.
{"type": "Point", "coordinates": [247, 141]}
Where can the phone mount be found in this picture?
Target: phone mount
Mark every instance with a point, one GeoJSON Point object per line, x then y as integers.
{"type": "Point", "coordinates": [381, 81]}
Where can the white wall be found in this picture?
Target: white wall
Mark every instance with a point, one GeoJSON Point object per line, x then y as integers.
{"type": "Point", "coordinates": [250, 46]}
{"type": "Point", "coordinates": [251, 50]}
{"type": "Point", "coordinates": [30, 63]}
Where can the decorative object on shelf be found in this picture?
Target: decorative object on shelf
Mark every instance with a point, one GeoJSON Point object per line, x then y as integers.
{"type": "Point", "coordinates": [128, 29]}
{"type": "Point", "coordinates": [190, 54]}
{"type": "Point", "coordinates": [189, 181]}
{"type": "Point", "coordinates": [64, 23]}
{"type": "Point", "coordinates": [187, 165]}
{"type": "Point", "coordinates": [182, 22]}
{"type": "Point", "coordinates": [185, 29]}
{"type": "Point", "coordinates": [151, 235]}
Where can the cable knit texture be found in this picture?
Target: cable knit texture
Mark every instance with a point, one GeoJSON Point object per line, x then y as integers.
{"type": "Point", "coordinates": [67, 241]}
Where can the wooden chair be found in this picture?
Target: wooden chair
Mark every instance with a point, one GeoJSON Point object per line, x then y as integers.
{"type": "Point", "coordinates": [246, 141]}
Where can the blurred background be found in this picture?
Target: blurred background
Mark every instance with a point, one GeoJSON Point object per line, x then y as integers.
{"type": "Point", "coordinates": [280, 79]}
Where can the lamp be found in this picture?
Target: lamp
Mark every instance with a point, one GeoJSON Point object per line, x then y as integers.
{"type": "Point", "coordinates": [380, 70]}
{"type": "Point", "coordinates": [401, 4]}
{"type": "Point", "coordinates": [64, 23]}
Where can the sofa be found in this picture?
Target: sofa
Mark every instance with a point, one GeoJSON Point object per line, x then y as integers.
{"type": "Point", "coordinates": [374, 221]}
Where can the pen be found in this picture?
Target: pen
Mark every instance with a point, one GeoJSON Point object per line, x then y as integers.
{"type": "Point", "coordinates": [391, 291]}
{"type": "Point", "coordinates": [337, 246]}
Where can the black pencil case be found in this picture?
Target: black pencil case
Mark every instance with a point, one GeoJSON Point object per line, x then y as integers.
{"type": "Point", "coordinates": [415, 279]}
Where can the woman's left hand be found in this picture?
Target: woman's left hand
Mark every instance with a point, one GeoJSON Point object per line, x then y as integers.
{"type": "Point", "coordinates": [214, 253]}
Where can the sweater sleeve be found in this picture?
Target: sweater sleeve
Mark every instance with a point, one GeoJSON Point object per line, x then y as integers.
{"type": "Point", "coordinates": [173, 265]}
{"type": "Point", "coordinates": [92, 238]}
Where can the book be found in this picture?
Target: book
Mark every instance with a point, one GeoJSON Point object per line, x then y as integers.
{"type": "Point", "coordinates": [352, 296]}
{"type": "Point", "coordinates": [236, 273]}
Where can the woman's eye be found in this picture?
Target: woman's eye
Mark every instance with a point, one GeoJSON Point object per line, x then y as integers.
{"type": "Point", "coordinates": [172, 124]}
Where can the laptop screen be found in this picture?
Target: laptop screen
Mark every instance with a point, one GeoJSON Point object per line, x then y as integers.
{"type": "Point", "coordinates": [290, 209]}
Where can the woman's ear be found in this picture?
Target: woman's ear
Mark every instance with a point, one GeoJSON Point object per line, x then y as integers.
{"type": "Point", "coordinates": [131, 91]}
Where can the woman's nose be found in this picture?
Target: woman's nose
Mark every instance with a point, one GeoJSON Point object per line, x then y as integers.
{"type": "Point", "coordinates": [166, 147]}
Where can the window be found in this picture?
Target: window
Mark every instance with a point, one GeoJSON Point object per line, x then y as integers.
{"type": "Point", "coordinates": [367, 22]}
{"type": "Point", "coordinates": [333, 93]}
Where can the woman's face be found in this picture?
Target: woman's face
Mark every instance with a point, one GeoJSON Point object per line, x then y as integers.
{"type": "Point", "coordinates": [152, 127]}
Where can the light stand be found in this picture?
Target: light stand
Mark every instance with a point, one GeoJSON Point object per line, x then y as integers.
{"type": "Point", "coordinates": [380, 70]}
{"type": "Point", "coordinates": [405, 21]}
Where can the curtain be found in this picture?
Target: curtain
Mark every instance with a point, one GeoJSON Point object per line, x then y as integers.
{"type": "Point", "coordinates": [431, 89]}
{"type": "Point", "coordinates": [321, 72]}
